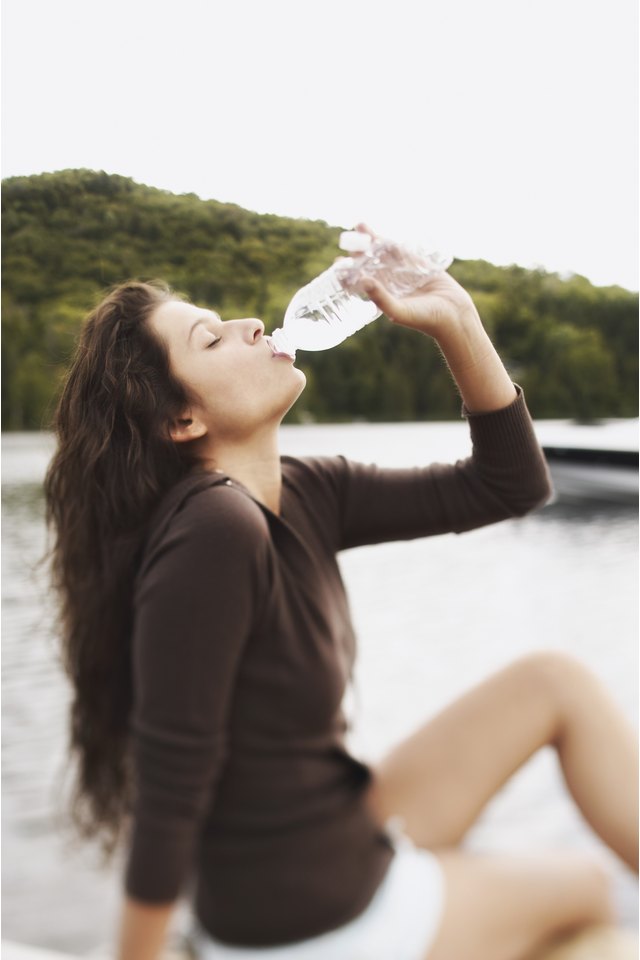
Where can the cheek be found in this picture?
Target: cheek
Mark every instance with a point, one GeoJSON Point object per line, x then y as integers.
{"type": "Point", "coordinates": [249, 390]}
{"type": "Point", "coordinates": [237, 395]}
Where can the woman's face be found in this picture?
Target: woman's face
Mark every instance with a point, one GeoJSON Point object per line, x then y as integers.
{"type": "Point", "coordinates": [229, 366]}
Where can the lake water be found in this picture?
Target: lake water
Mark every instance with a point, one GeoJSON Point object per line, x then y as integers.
{"type": "Point", "coordinates": [433, 617]}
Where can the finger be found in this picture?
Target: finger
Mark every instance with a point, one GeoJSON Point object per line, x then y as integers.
{"type": "Point", "coordinates": [382, 298]}
{"type": "Point", "coordinates": [365, 228]}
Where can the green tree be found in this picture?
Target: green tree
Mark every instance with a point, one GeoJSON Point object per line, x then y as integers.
{"type": "Point", "coordinates": [69, 235]}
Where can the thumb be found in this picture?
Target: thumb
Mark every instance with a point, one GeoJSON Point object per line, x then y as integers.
{"type": "Point", "coordinates": [381, 297]}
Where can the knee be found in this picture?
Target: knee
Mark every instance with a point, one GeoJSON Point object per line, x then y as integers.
{"type": "Point", "coordinates": [555, 671]}
{"type": "Point", "coordinates": [588, 898]}
{"type": "Point", "coordinates": [599, 897]}
{"type": "Point", "coordinates": [559, 680]}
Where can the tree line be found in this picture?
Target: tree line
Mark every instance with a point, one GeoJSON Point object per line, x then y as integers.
{"type": "Point", "coordinates": [68, 236]}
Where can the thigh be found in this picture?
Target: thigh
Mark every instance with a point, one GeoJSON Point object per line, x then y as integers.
{"type": "Point", "coordinates": [439, 778]}
{"type": "Point", "coordinates": [504, 908]}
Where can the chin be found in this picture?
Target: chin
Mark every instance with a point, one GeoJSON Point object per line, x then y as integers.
{"type": "Point", "coordinates": [296, 390]}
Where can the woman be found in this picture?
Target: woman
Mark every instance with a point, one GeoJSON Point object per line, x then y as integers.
{"type": "Point", "coordinates": [207, 636]}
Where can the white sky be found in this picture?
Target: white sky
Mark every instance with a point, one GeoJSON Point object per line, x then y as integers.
{"type": "Point", "coordinates": [501, 129]}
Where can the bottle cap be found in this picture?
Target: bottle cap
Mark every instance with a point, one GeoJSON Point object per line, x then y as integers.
{"type": "Point", "coordinates": [354, 241]}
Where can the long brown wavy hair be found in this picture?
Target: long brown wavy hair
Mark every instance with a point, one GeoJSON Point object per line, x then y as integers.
{"type": "Point", "coordinates": [113, 463]}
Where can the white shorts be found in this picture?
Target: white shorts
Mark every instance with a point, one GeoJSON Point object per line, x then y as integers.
{"type": "Point", "coordinates": [401, 921]}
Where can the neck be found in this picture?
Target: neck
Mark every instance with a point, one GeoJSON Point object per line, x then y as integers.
{"type": "Point", "coordinates": [254, 464]}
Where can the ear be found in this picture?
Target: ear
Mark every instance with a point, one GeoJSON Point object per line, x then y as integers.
{"type": "Point", "coordinates": [186, 427]}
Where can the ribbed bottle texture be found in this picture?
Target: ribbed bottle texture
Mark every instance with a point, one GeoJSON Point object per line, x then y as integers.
{"type": "Point", "coordinates": [329, 309]}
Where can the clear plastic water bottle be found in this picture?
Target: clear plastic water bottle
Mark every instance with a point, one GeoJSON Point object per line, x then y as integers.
{"type": "Point", "coordinates": [329, 309]}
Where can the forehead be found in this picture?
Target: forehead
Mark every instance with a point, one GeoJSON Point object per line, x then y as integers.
{"type": "Point", "coordinates": [175, 316]}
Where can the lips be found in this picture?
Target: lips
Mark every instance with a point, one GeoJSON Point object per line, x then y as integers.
{"type": "Point", "coordinates": [278, 353]}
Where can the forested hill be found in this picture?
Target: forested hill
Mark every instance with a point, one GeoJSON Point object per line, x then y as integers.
{"type": "Point", "coordinates": [69, 235]}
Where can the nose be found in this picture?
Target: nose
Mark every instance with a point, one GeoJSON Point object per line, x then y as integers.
{"type": "Point", "coordinates": [251, 329]}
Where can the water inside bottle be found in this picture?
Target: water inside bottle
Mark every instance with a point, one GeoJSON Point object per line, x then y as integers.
{"type": "Point", "coordinates": [329, 309]}
{"type": "Point", "coordinates": [321, 315]}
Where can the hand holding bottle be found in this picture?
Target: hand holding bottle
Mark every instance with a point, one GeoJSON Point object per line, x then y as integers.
{"type": "Point", "coordinates": [434, 308]}
{"type": "Point", "coordinates": [443, 309]}
{"type": "Point", "coordinates": [413, 289]}
{"type": "Point", "coordinates": [334, 305]}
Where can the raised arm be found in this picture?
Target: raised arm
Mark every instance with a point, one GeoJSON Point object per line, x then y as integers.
{"type": "Point", "coordinates": [443, 309]}
{"type": "Point", "coordinates": [506, 475]}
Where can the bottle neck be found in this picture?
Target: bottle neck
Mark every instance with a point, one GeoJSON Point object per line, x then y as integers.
{"type": "Point", "coordinates": [282, 344]}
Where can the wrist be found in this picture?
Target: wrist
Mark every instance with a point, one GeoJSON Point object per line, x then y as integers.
{"type": "Point", "coordinates": [463, 333]}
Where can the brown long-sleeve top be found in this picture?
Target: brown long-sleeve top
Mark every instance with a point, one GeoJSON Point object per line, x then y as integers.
{"type": "Point", "coordinates": [242, 648]}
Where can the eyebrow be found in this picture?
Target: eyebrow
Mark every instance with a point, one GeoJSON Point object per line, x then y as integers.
{"type": "Point", "coordinates": [203, 320]}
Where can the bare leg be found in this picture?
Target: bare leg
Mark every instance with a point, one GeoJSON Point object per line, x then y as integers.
{"type": "Point", "coordinates": [501, 908]}
{"type": "Point", "coordinates": [441, 777]}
